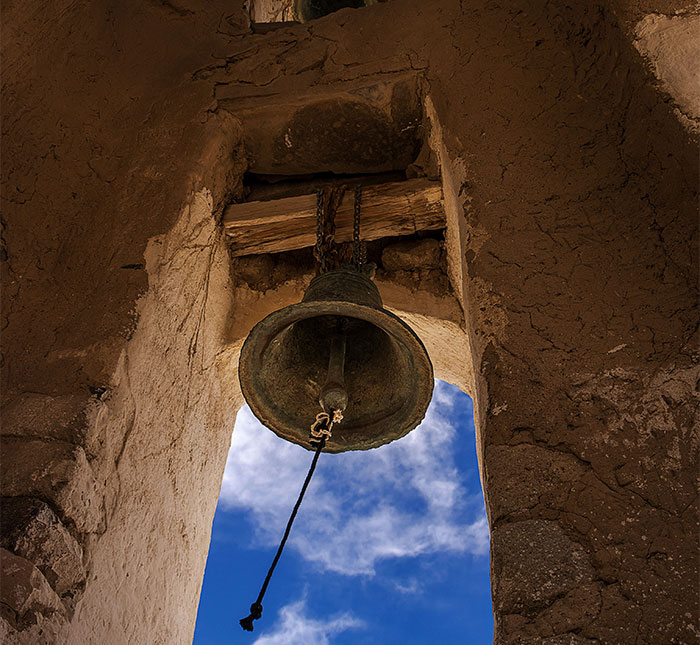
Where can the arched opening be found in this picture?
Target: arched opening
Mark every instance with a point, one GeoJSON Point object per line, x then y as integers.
{"type": "Point", "coordinates": [166, 423]}
{"type": "Point", "coordinates": [385, 537]}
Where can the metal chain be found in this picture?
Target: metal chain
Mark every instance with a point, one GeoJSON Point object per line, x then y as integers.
{"type": "Point", "coordinates": [359, 248]}
{"type": "Point", "coordinates": [319, 251]}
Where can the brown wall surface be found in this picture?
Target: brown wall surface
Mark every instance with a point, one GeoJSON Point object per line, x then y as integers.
{"type": "Point", "coordinates": [575, 184]}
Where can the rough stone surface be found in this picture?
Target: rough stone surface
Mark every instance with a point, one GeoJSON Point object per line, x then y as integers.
{"type": "Point", "coordinates": [32, 530]}
{"type": "Point", "coordinates": [535, 563]}
{"type": "Point", "coordinates": [412, 256]}
{"type": "Point", "coordinates": [24, 592]}
{"type": "Point", "coordinates": [565, 639]}
{"type": "Point", "coordinates": [56, 471]}
{"type": "Point", "coordinates": [531, 475]}
{"type": "Point", "coordinates": [571, 199]}
{"type": "Point", "coordinates": [364, 127]}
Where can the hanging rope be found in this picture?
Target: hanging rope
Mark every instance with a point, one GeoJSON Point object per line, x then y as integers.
{"type": "Point", "coordinates": [319, 433]}
{"type": "Point", "coordinates": [256, 608]}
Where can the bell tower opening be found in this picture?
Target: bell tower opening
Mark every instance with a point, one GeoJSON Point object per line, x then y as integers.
{"type": "Point", "coordinates": [376, 138]}
{"type": "Point", "coordinates": [401, 527]}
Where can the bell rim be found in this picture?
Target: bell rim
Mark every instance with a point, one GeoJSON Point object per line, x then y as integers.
{"type": "Point", "coordinates": [386, 320]}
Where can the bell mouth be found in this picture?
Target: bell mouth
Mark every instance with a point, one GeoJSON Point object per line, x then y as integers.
{"type": "Point", "coordinates": [388, 374]}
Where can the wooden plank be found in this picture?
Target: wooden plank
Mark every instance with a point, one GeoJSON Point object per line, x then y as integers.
{"type": "Point", "coordinates": [263, 191]}
{"type": "Point", "coordinates": [399, 208]}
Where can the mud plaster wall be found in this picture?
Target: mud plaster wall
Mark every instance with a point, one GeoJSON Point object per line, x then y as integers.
{"type": "Point", "coordinates": [576, 183]}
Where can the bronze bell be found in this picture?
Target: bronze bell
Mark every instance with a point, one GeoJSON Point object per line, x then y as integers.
{"type": "Point", "coordinates": [338, 349]}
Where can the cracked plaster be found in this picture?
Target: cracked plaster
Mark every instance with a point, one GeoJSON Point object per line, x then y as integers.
{"type": "Point", "coordinates": [574, 193]}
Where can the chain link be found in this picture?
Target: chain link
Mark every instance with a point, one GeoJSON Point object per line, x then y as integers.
{"type": "Point", "coordinates": [359, 248]}
{"type": "Point", "coordinates": [324, 239]}
{"type": "Point", "coordinates": [319, 250]}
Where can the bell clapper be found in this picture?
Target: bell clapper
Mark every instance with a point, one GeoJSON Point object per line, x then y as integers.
{"type": "Point", "coordinates": [333, 395]}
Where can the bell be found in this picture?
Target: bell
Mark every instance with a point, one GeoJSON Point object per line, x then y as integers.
{"type": "Point", "coordinates": [341, 350]}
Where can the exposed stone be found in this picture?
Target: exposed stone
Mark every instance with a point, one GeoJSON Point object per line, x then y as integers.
{"type": "Point", "coordinates": [572, 612]}
{"type": "Point", "coordinates": [24, 591]}
{"type": "Point", "coordinates": [56, 471]}
{"type": "Point", "coordinates": [619, 621]}
{"type": "Point", "coordinates": [412, 255]}
{"type": "Point", "coordinates": [565, 639]}
{"type": "Point", "coordinates": [529, 475]}
{"type": "Point", "coordinates": [535, 563]}
{"type": "Point", "coordinates": [46, 417]}
{"type": "Point", "coordinates": [32, 530]}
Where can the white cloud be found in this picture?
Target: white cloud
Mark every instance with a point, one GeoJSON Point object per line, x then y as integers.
{"type": "Point", "coordinates": [295, 627]}
{"type": "Point", "coordinates": [401, 500]}
{"type": "Point", "coordinates": [410, 587]}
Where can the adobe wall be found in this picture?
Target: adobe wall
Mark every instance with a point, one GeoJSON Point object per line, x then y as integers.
{"type": "Point", "coordinates": [570, 177]}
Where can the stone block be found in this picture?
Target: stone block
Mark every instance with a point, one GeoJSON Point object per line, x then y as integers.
{"type": "Point", "coordinates": [524, 475]}
{"type": "Point", "coordinates": [33, 531]}
{"type": "Point", "coordinates": [25, 592]}
{"type": "Point", "coordinates": [571, 612]}
{"type": "Point", "coordinates": [412, 255]}
{"type": "Point", "coordinates": [55, 471]}
{"type": "Point", "coordinates": [534, 563]}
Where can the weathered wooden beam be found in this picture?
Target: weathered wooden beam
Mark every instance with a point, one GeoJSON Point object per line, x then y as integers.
{"type": "Point", "coordinates": [399, 208]}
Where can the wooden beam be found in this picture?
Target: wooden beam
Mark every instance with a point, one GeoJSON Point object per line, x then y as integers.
{"type": "Point", "coordinates": [399, 208]}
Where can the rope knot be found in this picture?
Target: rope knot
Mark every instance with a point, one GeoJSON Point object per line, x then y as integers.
{"type": "Point", "coordinates": [322, 427]}
{"type": "Point", "coordinates": [255, 613]}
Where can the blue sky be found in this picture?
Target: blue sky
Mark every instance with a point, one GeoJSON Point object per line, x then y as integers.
{"type": "Point", "coordinates": [389, 546]}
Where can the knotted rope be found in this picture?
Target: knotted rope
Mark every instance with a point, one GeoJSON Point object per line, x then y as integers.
{"type": "Point", "coordinates": [320, 431]}
{"type": "Point", "coordinates": [323, 425]}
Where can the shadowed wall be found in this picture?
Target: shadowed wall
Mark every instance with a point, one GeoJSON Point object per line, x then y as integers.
{"type": "Point", "coordinates": [571, 184]}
